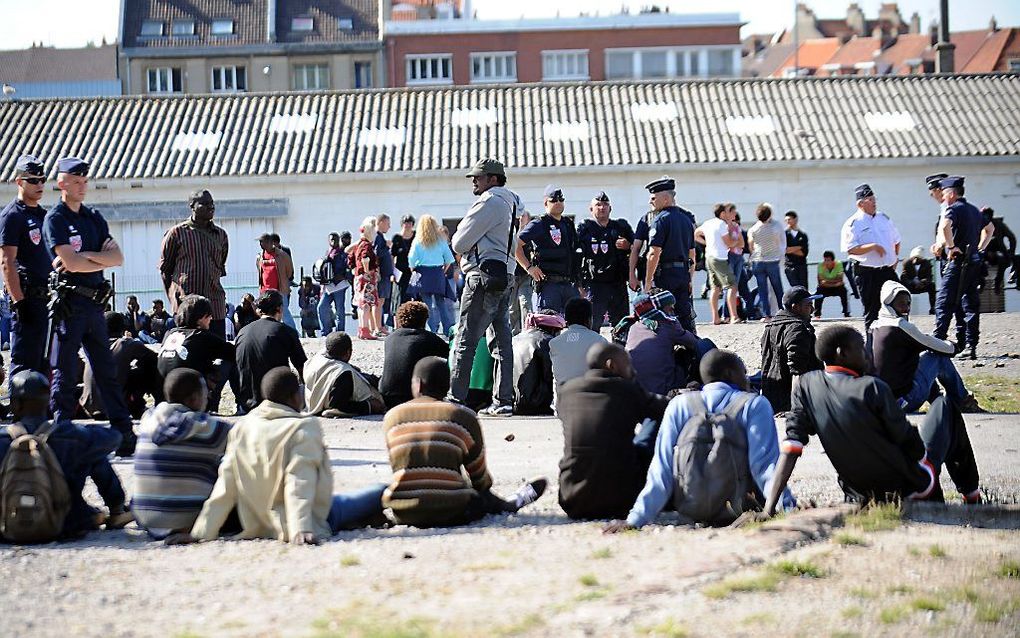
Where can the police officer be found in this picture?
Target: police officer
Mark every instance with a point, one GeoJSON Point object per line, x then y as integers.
{"type": "Point", "coordinates": [605, 251]}
{"type": "Point", "coordinates": [80, 246]}
{"type": "Point", "coordinates": [554, 254]}
{"type": "Point", "coordinates": [962, 238]}
{"type": "Point", "coordinates": [670, 262]}
{"type": "Point", "coordinates": [872, 242]}
{"type": "Point", "coordinates": [26, 266]}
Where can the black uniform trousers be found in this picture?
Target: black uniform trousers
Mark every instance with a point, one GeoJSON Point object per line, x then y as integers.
{"type": "Point", "coordinates": [611, 298]}
{"type": "Point", "coordinates": [28, 339]}
{"type": "Point", "coordinates": [869, 283]}
{"type": "Point", "coordinates": [958, 297]}
{"type": "Point", "coordinates": [677, 280]}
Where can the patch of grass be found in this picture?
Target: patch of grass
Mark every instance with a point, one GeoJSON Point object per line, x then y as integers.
{"type": "Point", "coordinates": [601, 554]}
{"type": "Point", "coordinates": [1009, 569]}
{"type": "Point", "coordinates": [965, 595]}
{"type": "Point", "coordinates": [937, 551]}
{"type": "Point", "coordinates": [996, 394]}
{"type": "Point", "coordinates": [928, 603]}
{"type": "Point", "coordinates": [863, 593]}
{"type": "Point", "coordinates": [894, 614]}
{"type": "Point", "coordinates": [993, 611]}
{"type": "Point", "coordinates": [900, 589]}
{"type": "Point", "coordinates": [525, 625]}
{"type": "Point", "coordinates": [846, 539]}
{"type": "Point", "coordinates": [852, 612]}
{"type": "Point", "coordinates": [764, 581]}
{"type": "Point", "coordinates": [589, 580]}
{"type": "Point", "coordinates": [374, 625]}
{"type": "Point", "coordinates": [844, 634]}
{"type": "Point", "coordinates": [350, 561]}
{"type": "Point", "coordinates": [668, 628]}
{"type": "Point", "coordinates": [879, 517]}
{"type": "Point", "coordinates": [803, 569]}
{"type": "Point", "coordinates": [187, 634]}
{"type": "Point", "coordinates": [484, 567]}
{"type": "Point", "coordinates": [590, 595]}
{"type": "Point", "coordinates": [763, 618]}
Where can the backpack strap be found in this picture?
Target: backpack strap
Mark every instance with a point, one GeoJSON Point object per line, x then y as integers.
{"type": "Point", "coordinates": [736, 405]}
{"type": "Point", "coordinates": [695, 404]}
{"type": "Point", "coordinates": [44, 431]}
{"type": "Point", "coordinates": [14, 430]}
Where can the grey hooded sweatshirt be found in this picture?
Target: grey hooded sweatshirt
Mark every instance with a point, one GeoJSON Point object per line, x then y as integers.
{"type": "Point", "coordinates": [484, 233]}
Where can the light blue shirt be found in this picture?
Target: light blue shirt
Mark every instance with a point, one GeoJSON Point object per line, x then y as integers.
{"type": "Point", "coordinates": [762, 449]}
{"type": "Point", "coordinates": [438, 254]}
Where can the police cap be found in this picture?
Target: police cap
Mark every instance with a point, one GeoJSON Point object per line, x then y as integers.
{"type": "Point", "coordinates": [29, 166]}
{"type": "Point", "coordinates": [29, 384]}
{"type": "Point", "coordinates": [487, 167]}
{"type": "Point", "coordinates": [933, 180]}
{"type": "Point", "coordinates": [600, 197]}
{"type": "Point", "coordinates": [664, 183]}
{"type": "Point", "coordinates": [954, 181]}
{"type": "Point", "coordinates": [863, 191]}
{"type": "Point", "coordinates": [553, 192]}
{"type": "Point", "coordinates": [73, 166]}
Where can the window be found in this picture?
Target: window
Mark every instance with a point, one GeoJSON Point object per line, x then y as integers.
{"type": "Point", "coordinates": [694, 57]}
{"type": "Point", "coordinates": [183, 27]}
{"type": "Point", "coordinates": [223, 26]}
{"type": "Point", "coordinates": [565, 65]}
{"type": "Point", "coordinates": [619, 65]}
{"type": "Point", "coordinates": [1014, 65]}
{"type": "Point", "coordinates": [152, 29]}
{"type": "Point", "coordinates": [345, 24]}
{"type": "Point", "coordinates": [494, 67]}
{"type": "Point", "coordinates": [302, 24]}
{"type": "Point", "coordinates": [229, 79]}
{"type": "Point", "coordinates": [720, 62]}
{"type": "Point", "coordinates": [429, 69]}
{"type": "Point", "coordinates": [654, 64]}
{"type": "Point", "coordinates": [671, 62]}
{"type": "Point", "coordinates": [164, 80]}
{"type": "Point", "coordinates": [362, 75]}
{"type": "Point", "coordinates": [311, 77]}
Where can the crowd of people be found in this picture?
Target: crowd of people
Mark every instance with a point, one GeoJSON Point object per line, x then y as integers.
{"type": "Point", "coordinates": [504, 317]}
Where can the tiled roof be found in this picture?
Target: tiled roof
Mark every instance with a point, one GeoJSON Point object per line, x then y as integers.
{"type": "Point", "coordinates": [909, 46]}
{"type": "Point", "coordinates": [811, 54]}
{"type": "Point", "coordinates": [47, 64]}
{"type": "Point", "coordinates": [854, 51]}
{"type": "Point", "coordinates": [546, 126]}
{"type": "Point", "coordinates": [767, 61]}
{"type": "Point", "coordinates": [987, 57]}
{"type": "Point", "coordinates": [326, 16]}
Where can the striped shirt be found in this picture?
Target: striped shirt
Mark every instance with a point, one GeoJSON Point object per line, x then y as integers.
{"type": "Point", "coordinates": [193, 259]}
{"type": "Point", "coordinates": [769, 241]}
{"type": "Point", "coordinates": [176, 463]}
{"type": "Point", "coordinates": [429, 441]}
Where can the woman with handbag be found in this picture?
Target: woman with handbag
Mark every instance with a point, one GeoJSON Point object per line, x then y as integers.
{"type": "Point", "coordinates": [430, 258]}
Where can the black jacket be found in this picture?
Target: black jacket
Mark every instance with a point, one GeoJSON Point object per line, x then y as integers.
{"type": "Point", "coordinates": [533, 376]}
{"type": "Point", "coordinates": [600, 472]}
{"type": "Point", "coordinates": [787, 349]}
{"type": "Point", "coordinates": [404, 348]}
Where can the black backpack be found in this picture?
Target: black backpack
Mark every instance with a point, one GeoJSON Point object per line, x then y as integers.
{"type": "Point", "coordinates": [712, 481]}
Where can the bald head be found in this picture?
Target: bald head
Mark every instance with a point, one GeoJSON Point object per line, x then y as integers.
{"type": "Point", "coordinates": [431, 378]}
{"type": "Point", "coordinates": [612, 358]}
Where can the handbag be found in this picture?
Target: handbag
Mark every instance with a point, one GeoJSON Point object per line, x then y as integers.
{"type": "Point", "coordinates": [494, 276]}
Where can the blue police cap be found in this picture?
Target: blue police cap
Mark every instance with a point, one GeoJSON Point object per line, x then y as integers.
{"type": "Point", "coordinates": [73, 166]}
{"type": "Point", "coordinates": [600, 197]}
{"type": "Point", "coordinates": [664, 183]}
{"type": "Point", "coordinates": [933, 180]}
{"type": "Point", "coordinates": [863, 191]}
{"type": "Point", "coordinates": [954, 181]}
{"type": "Point", "coordinates": [553, 191]}
{"type": "Point", "coordinates": [29, 166]}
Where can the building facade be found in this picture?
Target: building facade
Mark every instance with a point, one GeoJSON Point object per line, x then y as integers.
{"type": "Point", "coordinates": [48, 72]}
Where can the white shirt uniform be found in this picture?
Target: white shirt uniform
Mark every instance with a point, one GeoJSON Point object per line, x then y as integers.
{"type": "Point", "coordinates": [861, 229]}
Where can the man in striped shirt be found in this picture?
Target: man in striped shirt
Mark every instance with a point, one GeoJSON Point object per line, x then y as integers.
{"type": "Point", "coordinates": [193, 258]}
{"type": "Point", "coordinates": [429, 441]}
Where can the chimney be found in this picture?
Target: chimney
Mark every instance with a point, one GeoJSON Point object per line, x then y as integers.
{"type": "Point", "coordinates": [855, 19]}
{"type": "Point", "coordinates": [915, 23]}
{"type": "Point", "coordinates": [993, 26]}
{"type": "Point", "coordinates": [890, 12]}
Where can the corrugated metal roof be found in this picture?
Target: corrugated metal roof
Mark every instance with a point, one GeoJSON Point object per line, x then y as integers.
{"type": "Point", "coordinates": [536, 126]}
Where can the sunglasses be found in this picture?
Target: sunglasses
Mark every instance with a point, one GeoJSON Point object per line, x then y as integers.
{"type": "Point", "coordinates": [556, 198]}
{"type": "Point", "coordinates": [34, 181]}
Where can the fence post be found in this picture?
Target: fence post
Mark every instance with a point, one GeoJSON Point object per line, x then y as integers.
{"type": "Point", "coordinates": [113, 288]}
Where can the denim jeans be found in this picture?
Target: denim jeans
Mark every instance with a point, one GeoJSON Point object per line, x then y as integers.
{"type": "Point", "coordinates": [946, 441]}
{"type": "Point", "coordinates": [5, 330]}
{"type": "Point", "coordinates": [439, 312]}
{"type": "Point", "coordinates": [766, 272]}
{"type": "Point", "coordinates": [520, 307]}
{"type": "Point", "coordinates": [288, 318]}
{"type": "Point", "coordinates": [931, 367]}
{"type": "Point", "coordinates": [478, 311]}
{"type": "Point", "coordinates": [339, 301]}
{"type": "Point", "coordinates": [352, 508]}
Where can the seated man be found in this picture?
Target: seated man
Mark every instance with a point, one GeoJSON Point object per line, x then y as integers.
{"type": "Point", "coordinates": [604, 465]}
{"type": "Point", "coordinates": [81, 451]}
{"type": "Point", "coordinates": [661, 351]}
{"type": "Point", "coordinates": [724, 393]}
{"type": "Point", "coordinates": [407, 345]}
{"type": "Point", "coordinates": [533, 373]}
{"type": "Point", "coordinates": [830, 283]}
{"type": "Point", "coordinates": [876, 452]}
{"type": "Point", "coordinates": [277, 474]}
{"type": "Point", "coordinates": [918, 276]}
{"type": "Point", "coordinates": [135, 321]}
{"type": "Point", "coordinates": [788, 347]}
{"type": "Point", "coordinates": [909, 360]}
{"type": "Point", "coordinates": [569, 350]}
{"type": "Point", "coordinates": [159, 323]}
{"type": "Point", "coordinates": [265, 344]}
{"type": "Point", "coordinates": [333, 387]}
{"type": "Point", "coordinates": [136, 372]}
{"type": "Point", "coordinates": [178, 454]}
{"type": "Point", "coordinates": [191, 345]}
{"type": "Point", "coordinates": [431, 443]}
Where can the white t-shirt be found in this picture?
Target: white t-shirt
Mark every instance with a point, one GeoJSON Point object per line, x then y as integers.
{"type": "Point", "coordinates": [715, 230]}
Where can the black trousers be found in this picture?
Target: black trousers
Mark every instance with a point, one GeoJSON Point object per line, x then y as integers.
{"type": "Point", "coordinates": [869, 283]}
{"type": "Point", "coordinates": [797, 275]}
{"type": "Point", "coordinates": [608, 298]}
{"type": "Point", "coordinates": [831, 292]}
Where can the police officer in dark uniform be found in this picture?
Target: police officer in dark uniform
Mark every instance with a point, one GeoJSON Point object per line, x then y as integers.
{"type": "Point", "coordinates": [554, 254]}
{"type": "Point", "coordinates": [26, 267]}
{"type": "Point", "coordinates": [605, 251]}
{"type": "Point", "coordinates": [671, 249]}
{"type": "Point", "coordinates": [962, 238]}
{"type": "Point", "coordinates": [80, 246]}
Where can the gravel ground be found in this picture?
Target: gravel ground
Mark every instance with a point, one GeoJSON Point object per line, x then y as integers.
{"type": "Point", "coordinates": [535, 573]}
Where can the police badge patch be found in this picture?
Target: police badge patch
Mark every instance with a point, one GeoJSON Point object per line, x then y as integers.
{"type": "Point", "coordinates": [75, 241]}
{"type": "Point", "coordinates": [35, 235]}
{"type": "Point", "coordinates": [556, 234]}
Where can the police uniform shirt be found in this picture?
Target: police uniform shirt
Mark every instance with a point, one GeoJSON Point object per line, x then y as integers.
{"type": "Point", "coordinates": [673, 232]}
{"type": "Point", "coordinates": [554, 243]}
{"type": "Point", "coordinates": [602, 261]}
{"type": "Point", "coordinates": [84, 231]}
{"type": "Point", "coordinates": [862, 228]}
{"type": "Point", "coordinates": [22, 226]}
{"type": "Point", "coordinates": [967, 224]}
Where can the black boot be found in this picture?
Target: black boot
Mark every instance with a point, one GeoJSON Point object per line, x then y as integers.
{"type": "Point", "coordinates": [973, 353]}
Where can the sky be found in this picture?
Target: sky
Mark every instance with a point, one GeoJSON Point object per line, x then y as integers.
{"type": "Point", "coordinates": [67, 23]}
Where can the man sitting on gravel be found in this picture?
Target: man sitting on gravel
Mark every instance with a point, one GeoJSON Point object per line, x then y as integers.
{"type": "Point", "coordinates": [263, 345]}
{"type": "Point", "coordinates": [335, 388]}
{"type": "Point", "coordinates": [911, 361]}
{"type": "Point", "coordinates": [178, 454]}
{"type": "Point", "coordinates": [405, 347]}
{"type": "Point", "coordinates": [725, 386]}
{"type": "Point", "coordinates": [569, 349]}
{"type": "Point", "coordinates": [604, 464]}
{"type": "Point", "coordinates": [431, 442]}
{"type": "Point", "coordinates": [877, 453]}
{"type": "Point", "coordinates": [788, 347]}
{"type": "Point", "coordinates": [276, 472]}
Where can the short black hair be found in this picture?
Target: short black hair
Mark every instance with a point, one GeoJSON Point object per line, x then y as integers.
{"type": "Point", "coordinates": [191, 309]}
{"type": "Point", "coordinates": [578, 311]}
{"type": "Point", "coordinates": [338, 343]}
{"type": "Point", "coordinates": [833, 338]}
{"type": "Point", "coordinates": [407, 219]}
{"type": "Point", "coordinates": [599, 353]}
{"type": "Point", "coordinates": [719, 364]}
{"type": "Point", "coordinates": [434, 374]}
{"type": "Point", "coordinates": [280, 385]}
{"type": "Point", "coordinates": [269, 302]}
{"type": "Point", "coordinates": [157, 301]}
{"type": "Point", "coordinates": [412, 314]}
{"type": "Point", "coordinates": [132, 298]}
{"type": "Point", "coordinates": [791, 213]}
{"type": "Point", "coordinates": [116, 324]}
{"type": "Point", "coordinates": [306, 278]}
{"type": "Point", "coordinates": [182, 384]}
{"type": "Point", "coordinates": [719, 209]}
{"type": "Point", "coordinates": [501, 180]}
{"type": "Point", "coordinates": [828, 254]}
{"type": "Point", "coordinates": [275, 237]}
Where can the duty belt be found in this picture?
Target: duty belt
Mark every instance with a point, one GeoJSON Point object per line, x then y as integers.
{"type": "Point", "coordinates": [557, 278]}
{"type": "Point", "coordinates": [676, 264]}
{"type": "Point", "coordinates": [97, 295]}
{"type": "Point", "coordinates": [36, 292]}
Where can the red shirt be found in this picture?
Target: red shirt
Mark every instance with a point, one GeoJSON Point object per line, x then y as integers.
{"type": "Point", "coordinates": [361, 251]}
{"type": "Point", "coordinates": [270, 274]}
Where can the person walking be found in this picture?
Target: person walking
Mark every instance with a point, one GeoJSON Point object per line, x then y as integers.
{"type": "Point", "coordinates": [768, 245]}
{"type": "Point", "coordinates": [430, 259]}
{"type": "Point", "coordinates": [872, 241]}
